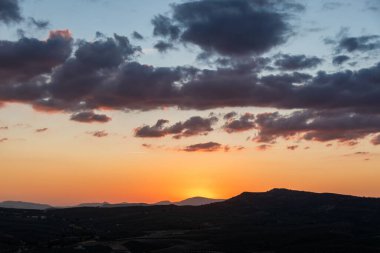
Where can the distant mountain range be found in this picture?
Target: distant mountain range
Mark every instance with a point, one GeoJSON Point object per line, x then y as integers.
{"type": "Point", "coordinates": [194, 201]}
{"type": "Point", "coordinates": [24, 205]}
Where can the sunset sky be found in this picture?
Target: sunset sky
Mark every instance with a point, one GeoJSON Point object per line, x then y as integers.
{"type": "Point", "coordinates": [146, 100]}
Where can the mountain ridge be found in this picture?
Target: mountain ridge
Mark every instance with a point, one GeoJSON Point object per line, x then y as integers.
{"type": "Point", "coordinates": [193, 201]}
{"type": "Point", "coordinates": [245, 196]}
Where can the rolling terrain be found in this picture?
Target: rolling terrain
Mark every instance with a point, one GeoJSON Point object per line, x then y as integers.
{"type": "Point", "coordinates": [279, 220]}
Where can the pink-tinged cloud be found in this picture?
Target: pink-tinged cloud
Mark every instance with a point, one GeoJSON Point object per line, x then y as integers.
{"type": "Point", "coordinates": [263, 147]}
{"type": "Point", "coordinates": [376, 140]}
{"type": "Point", "coordinates": [66, 34]}
{"type": "Point", "coordinates": [3, 140]}
{"type": "Point", "coordinates": [204, 147]}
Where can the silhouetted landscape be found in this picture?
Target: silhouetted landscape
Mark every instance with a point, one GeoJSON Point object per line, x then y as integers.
{"type": "Point", "coordinates": [194, 201]}
{"type": "Point", "coordinates": [279, 220]}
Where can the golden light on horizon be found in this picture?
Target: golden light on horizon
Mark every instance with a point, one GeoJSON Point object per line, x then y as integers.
{"type": "Point", "coordinates": [199, 192]}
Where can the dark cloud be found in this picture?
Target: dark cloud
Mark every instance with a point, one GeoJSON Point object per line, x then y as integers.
{"type": "Point", "coordinates": [154, 131]}
{"type": "Point", "coordinates": [3, 140]}
{"type": "Point", "coordinates": [10, 11]}
{"type": "Point", "coordinates": [340, 59]}
{"type": "Point", "coordinates": [94, 63]}
{"type": "Point", "coordinates": [296, 62]}
{"type": "Point", "coordinates": [90, 117]}
{"type": "Point", "coordinates": [28, 57]}
{"type": "Point", "coordinates": [362, 43]}
{"type": "Point", "coordinates": [163, 27]}
{"type": "Point", "coordinates": [105, 53]}
{"type": "Point", "coordinates": [137, 86]}
{"type": "Point", "coordinates": [99, 134]}
{"type": "Point", "coordinates": [193, 126]}
{"type": "Point", "coordinates": [244, 123]}
{"type": "Point", "coordinates": [137, 36]}
{"type": "Point", "coordinates": [39, 24]}
{"type": "Point", "coordinates": [230, 115]}
{"type": "Point", "coordinates": [226, 27]}
{"type": "Point", "coordinates": [163, 46]}
{"type": "Point", "coordinates": [4, 128]}
{"type": "Point", "coordinates": [40, 130]}
{"type": "Point", "coordinates": [104, 74]}
{"type": "Point", "coordinates": [346, 127]}
{"type": "Point", "coordinates": [204, 147]}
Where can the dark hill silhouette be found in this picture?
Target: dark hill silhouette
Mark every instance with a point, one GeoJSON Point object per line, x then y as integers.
{"type": "Point", "coordinates": [279, 220]}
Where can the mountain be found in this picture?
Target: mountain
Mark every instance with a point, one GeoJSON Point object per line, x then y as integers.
{"type": "Point", "coordinates": [23, 205]}
{"type": "Point", "coordinates": [92, 204]}
{"type": "Point", "coordinates": [197, 201]}
{"type": "Point", "coordinates": [278, 220]}
{"type": "Point", "coordinates": [163, 203]}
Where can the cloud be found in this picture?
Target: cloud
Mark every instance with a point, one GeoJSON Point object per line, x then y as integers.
{"type": "Point", "coordinates": [163, 46]}
{"type": "Point", "coordinates": [296, 62]}
{"type": "Point", "coordinates": [376, 140]}
{"type": "Point", "coordinates": [4, 128]}
{"type": "Point", "coordinates": [105, 74]}
{"type": "Point", "coordinates": [137, 36]}
{"type": "Point", "coordinates": [29, 57]}
{"type": "Point", "coordinates": [323, 126]}
{"type": "Point", "coordinates": [3, 140]}
{"type": "Point", "coordinates": [154, 131]}
{"type": "Point", "coordinates": [373, 5]}
{"type": "Point", "coordinates": [40, 130]}
{"type": "Point", "coordinates": [145, 145]}
{"type": "Point", "coordinates": [340, 59]}
{"type": "Point", "coordinates": [204, 147]}
{"type": "Point", "coordinates": [263, 147]}
{"type": "Point", "coordinates": [10, 11]}
{"type": "Point", "coordinates": [332, 5]}
{"type": "Point", "coordinates": [230, 115]}
{"type": "Point", "coordinates": [361, 43]}
{"type": "Point", "coordinates": [99, 134]}
{"type": "Point", "coordinates": [193, 126]}
{"type": "Point", "coordinates": [226, 27]}
{"type": "Point", "coordinates": [244, 123]}
{"type": "Point", "coordinates": [39, 24]}
{"type": "Point", "coordinates": [90, 117]}
{"type": "Point", "coordinates": [293, 147]}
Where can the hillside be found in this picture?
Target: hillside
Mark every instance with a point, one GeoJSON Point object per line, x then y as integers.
{"type": "Point", "coordinates": [279, 220]}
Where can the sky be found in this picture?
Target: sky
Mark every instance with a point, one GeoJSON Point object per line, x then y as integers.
{"type": "Point", "coordinates": [144, 100]}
